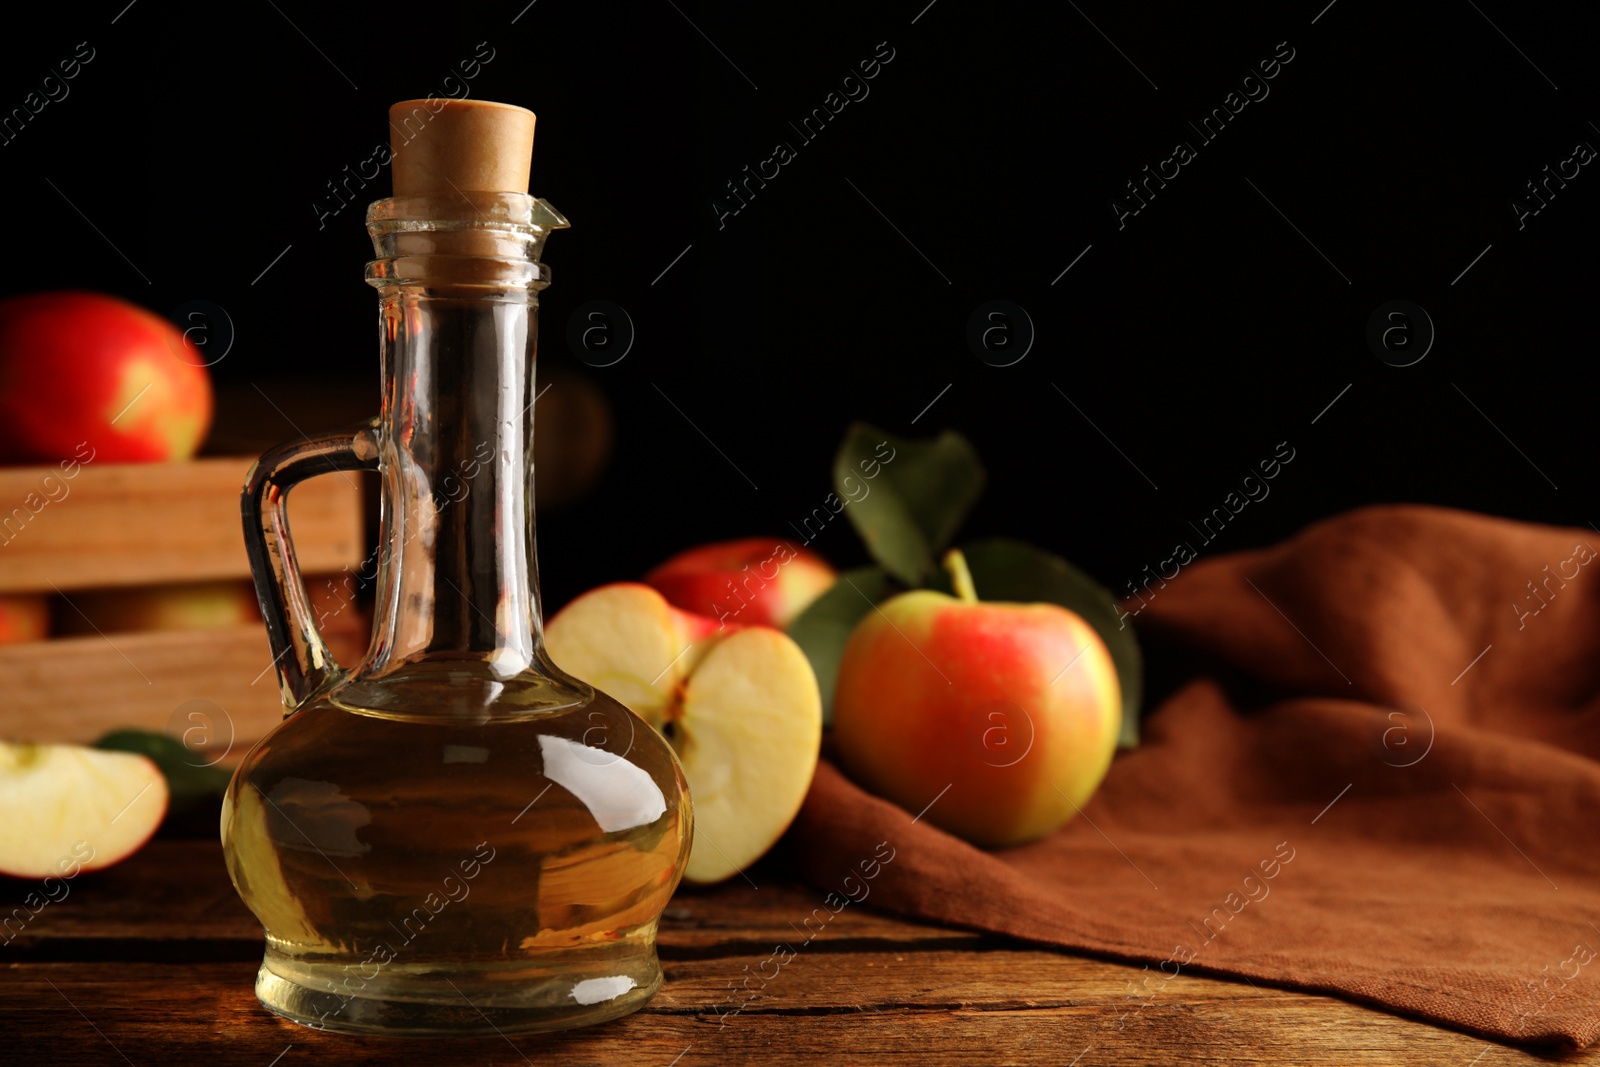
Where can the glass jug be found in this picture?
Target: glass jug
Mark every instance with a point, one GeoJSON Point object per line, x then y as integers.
{"type": "Point", "coordinates": [454, 836]}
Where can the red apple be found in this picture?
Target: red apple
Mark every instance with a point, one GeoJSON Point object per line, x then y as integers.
{"type": "Point", "coordinates": [1014, 707]}
{"type": "Point", "coordinates": [24, 617]}
{"type": "Point", "coordinates": [756, 581]}
{"type": "Point", "coordinates": [81, 368]}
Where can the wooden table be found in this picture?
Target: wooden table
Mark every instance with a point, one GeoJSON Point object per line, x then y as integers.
{"type": "Point", "coordinates": [152, 962]}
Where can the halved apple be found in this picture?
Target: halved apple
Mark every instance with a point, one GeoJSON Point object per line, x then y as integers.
{"type": "Point", "coordinates": [741, 708]}
{"type": "Point", "coordinates": [747, 731]}
{"type": "Point", "coordinates": [628, 642]}
{"type": "Point", "coordinates": [70, 804]}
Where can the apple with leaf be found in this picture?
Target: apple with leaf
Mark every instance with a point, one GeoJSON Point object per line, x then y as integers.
{"type": "Point", "coordinates": [999, 684]}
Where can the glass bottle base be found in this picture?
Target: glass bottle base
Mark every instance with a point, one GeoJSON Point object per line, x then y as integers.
{"type": "Point", "coordinates": [459, 999]}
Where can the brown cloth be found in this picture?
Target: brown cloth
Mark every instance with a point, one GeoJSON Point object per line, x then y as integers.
{"type": "Point", "coordinates": [1378, 779]}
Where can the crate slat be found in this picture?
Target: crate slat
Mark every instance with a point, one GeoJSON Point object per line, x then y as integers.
{"type": "Point", "coordinates": [76, 689]}
{"type": "Point", "coordinates": [157, 523]}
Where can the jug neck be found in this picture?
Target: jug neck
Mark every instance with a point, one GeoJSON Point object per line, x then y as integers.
{"type": "Point", "coordinates": [458, 572]}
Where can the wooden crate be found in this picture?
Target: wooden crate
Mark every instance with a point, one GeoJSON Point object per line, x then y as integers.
{"type": "Point", "coordinates": [142, 525]}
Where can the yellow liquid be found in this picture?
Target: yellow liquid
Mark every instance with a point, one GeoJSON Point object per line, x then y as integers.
{"type": "Point", "coordinates": [434, 875]}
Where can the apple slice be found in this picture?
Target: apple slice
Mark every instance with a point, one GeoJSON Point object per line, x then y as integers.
{"type": "Point", "coordinates": [628, 642]}
{"type": "Point", "coordinates": [56, 799]}
{"type": "Point", "coordinates": [748, 733]}
{"type": "Point", "coordinates": [742, 711]}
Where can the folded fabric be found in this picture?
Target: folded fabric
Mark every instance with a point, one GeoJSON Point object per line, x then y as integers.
{"type": "Point", "coordinates": [1375, 776]}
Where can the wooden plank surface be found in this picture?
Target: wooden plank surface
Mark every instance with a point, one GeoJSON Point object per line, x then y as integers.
{"type": "Point", "coordinates": [179, 890]}
{"type": "Point", "coordinates": [153, 962]}
{"type": "Point", "coordinates": [155, 523]}
{"type": "Point", "coordinates": [78, 688]}
{"type": "Point", "coordinates": [152, 1013]}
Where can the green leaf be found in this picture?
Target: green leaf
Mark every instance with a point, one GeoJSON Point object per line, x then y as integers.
{"type": "Point", "coordinates": [1011, 570]}
{"type": "Point", "coordinates": [906, 498]}
{"type": "Point", "coordinates": [189, 779]}
{"type": "Point", "coordinates": [823, 629]}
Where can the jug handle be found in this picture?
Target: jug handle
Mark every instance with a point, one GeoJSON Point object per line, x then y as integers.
{"type": "Point", "coordinates": [300, 655]}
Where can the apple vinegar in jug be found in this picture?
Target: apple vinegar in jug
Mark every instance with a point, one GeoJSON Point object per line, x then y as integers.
{"type": "Point", "coordinates": [454, 836]}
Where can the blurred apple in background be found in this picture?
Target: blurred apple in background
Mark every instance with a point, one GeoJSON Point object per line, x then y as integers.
{"type": "Point", "coordinates": [24, 617]}
{"type": "Point", "coordinates": [190, 606]}
{"type": "Point", "coordinates": [341, 614]}
{"type": "Point", "coordinates": [83, 367]}
{"type": "Point", "coordinates": [574, 431]}
{"type": "Point", "coordinates": [738, 704]}
{"type": "Point", "coordinates": [755, 581]}
{"type": "Point", "coordinates": [1014, 707]}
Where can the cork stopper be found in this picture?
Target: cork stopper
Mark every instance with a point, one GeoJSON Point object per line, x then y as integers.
{"type": "Point", "coordinates": [451, 147]}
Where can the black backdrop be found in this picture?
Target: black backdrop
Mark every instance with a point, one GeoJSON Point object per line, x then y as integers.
{"type": "Point", "coordinates": [186, 160]}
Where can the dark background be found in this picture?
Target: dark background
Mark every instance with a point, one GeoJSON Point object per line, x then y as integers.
{"type": "Point", "coordinates": [1208, 330]}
